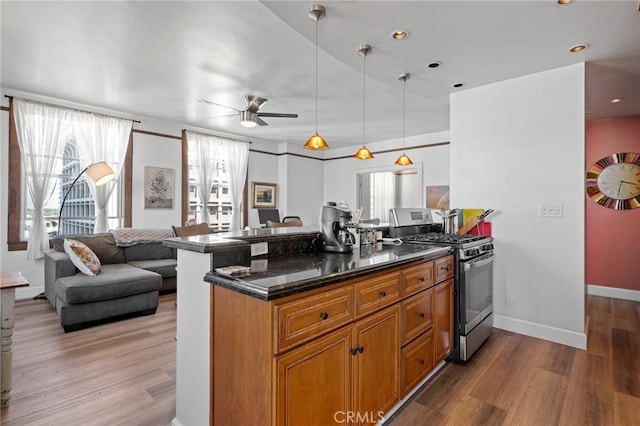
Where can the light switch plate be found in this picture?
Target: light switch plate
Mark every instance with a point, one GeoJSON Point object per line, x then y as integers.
{"type": "Point", "coordinates": [258, 249]}
{"type": "Point", "coordinates": [550, 210]}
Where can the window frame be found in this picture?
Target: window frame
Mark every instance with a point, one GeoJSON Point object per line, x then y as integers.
{"type": "Point", "coordinates": [15, 186]}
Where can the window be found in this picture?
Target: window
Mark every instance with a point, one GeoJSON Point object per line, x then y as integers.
{"type": "Point", "coordinates": [219, 205]}
{"type": "Point", "coordinates": [19, 211]}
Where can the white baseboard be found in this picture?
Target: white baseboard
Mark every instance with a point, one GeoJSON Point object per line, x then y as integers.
{"type": "Point", "coordinates": [552, 334]}
{"type": "Point", "coordinates": [616, 293]}
{"type": "Point", "coordinates": [28, 292]}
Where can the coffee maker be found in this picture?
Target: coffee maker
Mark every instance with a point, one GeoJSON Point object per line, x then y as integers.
{"type": "Point", "coordinates": [335, 236]}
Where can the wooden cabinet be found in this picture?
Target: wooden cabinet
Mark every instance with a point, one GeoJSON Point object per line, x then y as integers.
{"type": "Point", "coordinates": [443, 298]}
{"type": "Point", "coordinates": [416, 315]}
{"type": "Point", "coordinates": [376, 377]}
{"type": "Point", "coordinates": [305, 319]}
{"type": "Point", "coordinates": [342, 354]}
{"type": "Point", "coordinates": [417, 362]}
{"type": "Point", "coordinates": [314, 381]}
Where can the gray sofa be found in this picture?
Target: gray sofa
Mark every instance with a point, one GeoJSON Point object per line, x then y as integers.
{"type": "Point", "coordinates": [128, 283]}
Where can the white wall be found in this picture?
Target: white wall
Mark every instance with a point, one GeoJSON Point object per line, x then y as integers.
{"type": "Point", "coordinates": [514, 145]}
{"type": "Point", "coordinates": [340, 182]}
{"type": "Point", "coordinates": [155, 151]}
{"type": "Point", "coordinates": [262, 168]}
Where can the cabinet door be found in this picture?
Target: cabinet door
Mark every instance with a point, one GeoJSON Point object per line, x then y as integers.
{"type": "Point", "coordinates": [376, 365]}
{"type": "Point", "coordinates": [417, 361]}
{"type": "Point", "coordinates": [314, 382]}
{"type": "Point", "coordinates": [443, 296]}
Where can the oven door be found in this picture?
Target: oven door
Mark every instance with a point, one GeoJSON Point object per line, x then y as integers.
{"type": "Point", "coordinates": [476, 291]}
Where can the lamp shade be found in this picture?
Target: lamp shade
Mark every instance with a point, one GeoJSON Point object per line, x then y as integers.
{"type": "Point", "coordinates": [363, 154]}
{"type": "Point", "coordinates": [404, 160]}
{"type": "Point", "coordinates": [100, 173]}
{"type": "Point", "coordinates": [316, 142]}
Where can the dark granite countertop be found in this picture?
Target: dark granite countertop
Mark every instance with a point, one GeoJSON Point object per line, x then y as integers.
{"type": "Point", "coordinates": [210, 243]}
{"type": "Point", "coordinates": [278, 276]}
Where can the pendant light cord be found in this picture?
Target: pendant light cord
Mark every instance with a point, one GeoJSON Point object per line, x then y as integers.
{"type": "Point", "coordinates": [317, 19]}
{"type": "Point", "coordinates": [404, 110]}
{"type": "Point", "coordinates": [364, 94]}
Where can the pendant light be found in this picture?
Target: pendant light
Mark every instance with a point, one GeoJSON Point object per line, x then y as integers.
{"type": "Point", "coordinates": [363, 153]}
{"type": "Point", "coordinates": [404, 160]}
{"type": "Point", "coordinates": [316, 12]}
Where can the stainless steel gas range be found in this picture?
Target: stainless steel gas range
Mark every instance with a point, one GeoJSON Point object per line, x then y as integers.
{"type": "Point", "coordinates": [473, 280]}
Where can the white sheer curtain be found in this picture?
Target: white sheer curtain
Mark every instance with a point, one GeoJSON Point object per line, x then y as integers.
{"type": "Point", "coordinates": [383, 189]}
{"type": "Point", "coordinates": [42, 132]}
{"type": "Point", "coordinates": [101, 138]}
{"type": "Point", "coordinates": [236, 157]}
{"type": "Point", "coordinates": [203, 156]}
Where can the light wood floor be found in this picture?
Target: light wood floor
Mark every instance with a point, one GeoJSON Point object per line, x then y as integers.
{"type": "Point", "coordinates": [123, 373]}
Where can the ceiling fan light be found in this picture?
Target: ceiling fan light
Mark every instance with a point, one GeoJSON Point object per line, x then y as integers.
{"type": "Point", "coordinates": [316, 142]}
{"type": "Point", "coordinates": [404, 160]}
{"type": "Point", "coordinates": [363, 154]}
{"type": "Point", "coordinates": [248, 119]}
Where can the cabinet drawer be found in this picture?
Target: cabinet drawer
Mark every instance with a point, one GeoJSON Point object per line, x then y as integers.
{"type": "Point", "coordinates": [444, 268]}
{"type": "Point", "coordinates": [416, 362]}
{"type": "Point", "coordinates": [416, 315]}
{"type": "Point", "coordinates": [376, 293]}
{"type": "Point", "coordinates": [417, 277]}
{"type": "Point", "coordinates": [307, 318]}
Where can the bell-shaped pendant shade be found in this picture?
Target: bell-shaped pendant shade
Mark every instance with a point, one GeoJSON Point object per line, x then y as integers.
{"type": "Point", "coordinates": [316, 142]}
{"type": "Point", "coordinates": [404, 160]}
{"type": "Point", "coordinates": [363, 154]}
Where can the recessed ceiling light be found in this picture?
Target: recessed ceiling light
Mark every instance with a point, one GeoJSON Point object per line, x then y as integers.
{"type": "Point", "coordinates": [565, 1]}
{"type": "Point", "coordinates": [434, 64]}
{"type": "Point", "coordinates": [399, 34]}
{"type": "Point", "coordinates": [578, 48]}
{"type": "Point", "coordinates": [458, 85]}
{"type": "Point", "coordinates": [616, 100]}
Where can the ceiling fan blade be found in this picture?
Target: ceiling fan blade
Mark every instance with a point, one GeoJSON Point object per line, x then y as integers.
{"type": "Point", "coordinates": [226, 115]}
{"type": "Point", "coordinates": [254, 102]}
{"type": "Point", "coordinates": [261, 122]}
{"type": "Point", "coordinates": [277, 114]}
{"type": "Point", "coordinates": [208, 102]}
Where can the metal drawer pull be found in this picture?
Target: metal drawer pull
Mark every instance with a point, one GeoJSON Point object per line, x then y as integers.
{"type": "Point", "coordinates": [324, 315]}
{"type": "Point", "coordinates": [382, 293]}
{"type": "Point", "coordinates": [421, 279]}
{"type": "Point", "coordinates": [421, 361]}
{"type": "Point", "coordinates": [353, 351]}
{"type": "Point", "coordinates": [360, 349]}
{"type": "Point", "coordinates": [421, 314]}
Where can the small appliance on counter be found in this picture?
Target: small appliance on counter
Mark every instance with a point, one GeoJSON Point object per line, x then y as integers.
{"type": "Point", "coordinates": [335, 235]}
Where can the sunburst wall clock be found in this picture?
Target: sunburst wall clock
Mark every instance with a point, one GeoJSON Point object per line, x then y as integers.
{"type": "Point", "coordinates": [614, 181]}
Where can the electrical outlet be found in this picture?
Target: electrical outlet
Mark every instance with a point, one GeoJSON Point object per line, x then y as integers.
{"type": "Point", "coordinates": [258, 249]}
{"type": "Point", "coordinates": [550, 210]}
{"type": "Point", "coordinates": [511, 302]}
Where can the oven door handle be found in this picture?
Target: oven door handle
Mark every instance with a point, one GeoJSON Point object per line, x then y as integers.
{"type": "Point", "coordinates": [477, 264]}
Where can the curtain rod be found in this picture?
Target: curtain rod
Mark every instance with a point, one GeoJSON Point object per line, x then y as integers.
{"type": "Point", "coordinates": [215, 136]}
{"type": "Point", "coordinates": [80, 110]}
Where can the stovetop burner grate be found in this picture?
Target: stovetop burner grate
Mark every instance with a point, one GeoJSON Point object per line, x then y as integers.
{"type": "Point", "coordinates": [452, 239]}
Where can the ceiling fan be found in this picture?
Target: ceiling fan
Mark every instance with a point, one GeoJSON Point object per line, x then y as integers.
{"type": "Point", "coordinates": [250, 117]}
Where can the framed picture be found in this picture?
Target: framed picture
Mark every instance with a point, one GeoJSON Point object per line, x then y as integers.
{"type": "Point", "coordinates": [158, 188]}
{"type": "Point", "coordinates": [438, 197]}
{"type": "Point", "coordinates": [263, 194]}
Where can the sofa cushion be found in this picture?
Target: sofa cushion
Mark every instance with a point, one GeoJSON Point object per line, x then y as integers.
{"type": "Point", "coordinates": [103, 245]}
{"type": "Point", "coordinates": [164, 267]}
{"type": "Point", "coordinates": [82, 257]}
{"type": "Point", "coordinates": [147, 251]}
{"type": "Point", "coordinates": [114, 281]}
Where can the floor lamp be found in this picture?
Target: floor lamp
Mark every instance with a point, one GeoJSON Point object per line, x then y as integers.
{"type": "Point", "coordinates": [99, 173]}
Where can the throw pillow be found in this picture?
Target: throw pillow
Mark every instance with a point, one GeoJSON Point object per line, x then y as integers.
{"type": "Point", "coordinates": [82, 257]}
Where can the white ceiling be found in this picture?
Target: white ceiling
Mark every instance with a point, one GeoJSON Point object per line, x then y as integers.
{"type": "Point", "coordinates": [157, 59]}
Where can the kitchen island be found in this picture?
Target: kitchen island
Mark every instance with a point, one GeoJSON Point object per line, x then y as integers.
{"type": "Point", "coordinates": [305, 337]}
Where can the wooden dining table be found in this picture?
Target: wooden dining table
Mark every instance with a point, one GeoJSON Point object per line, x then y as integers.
{"type": "Point", "coordinates": [9, 281]}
